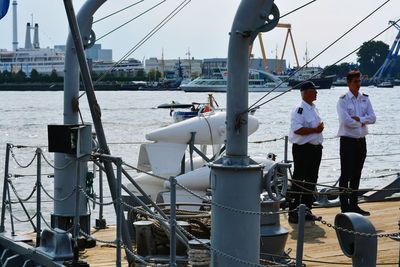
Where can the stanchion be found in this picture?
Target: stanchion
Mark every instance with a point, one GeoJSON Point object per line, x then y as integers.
{"type": "Point", "coordinates": [300, 235]}
{"type": "Point", "coordinates": [172, 222]}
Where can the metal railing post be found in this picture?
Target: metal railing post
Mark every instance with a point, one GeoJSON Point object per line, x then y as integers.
{"type": "Point", "coordinates": [10, 209]}
{"type": "Point", "coordinates": [5, 187]}
{"type": "Point", "coordinates": [300, 235]}
{"type": "Point", "coordinates": [100, 222]}
{"type": "Point", "coordinates": [38, 196]}
{"type": "Point", "coordinates": [119, 209]}
{"type": "Point", "coordinates": [77, 199]}
{"type": "Point", "coordinates": [101, 194]}
{"type": "Point", "coordinates": [286, 148]}
{"type": "Point", "coordinates": [172, 222]}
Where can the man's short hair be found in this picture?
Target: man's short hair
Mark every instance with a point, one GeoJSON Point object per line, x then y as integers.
{"type": "Point", "coordinates": [353, 74]}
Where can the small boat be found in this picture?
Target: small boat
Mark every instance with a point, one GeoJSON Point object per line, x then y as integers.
{"type": "Point", "coordinates": [385, 84]}
{"type": "Point", "coordinates": [313, 74]}
{"type": "Point", "coordinates": [259, 81]}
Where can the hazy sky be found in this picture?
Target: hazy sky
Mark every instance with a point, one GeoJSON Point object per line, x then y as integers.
{"type": "Point", "coordinates": [203, 26]}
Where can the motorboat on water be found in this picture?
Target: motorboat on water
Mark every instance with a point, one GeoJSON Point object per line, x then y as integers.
{"type": "Point", "coordinates": [385, 84]}
{"type": "Point", "coordinates": [313, 74]}
{"type": "Point", "coordinates": [259, 81]}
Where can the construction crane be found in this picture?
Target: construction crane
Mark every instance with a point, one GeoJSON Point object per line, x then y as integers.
{"type": "Point", "coordinates": [384, 73]}
{"type": "Point", "coordinates": [288, 34]}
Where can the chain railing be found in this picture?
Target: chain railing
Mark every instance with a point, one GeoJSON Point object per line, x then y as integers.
{"type": "Point", "coordinates": [119, 202]}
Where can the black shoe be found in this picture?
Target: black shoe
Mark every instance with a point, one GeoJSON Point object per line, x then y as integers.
{"type": "Point", "coordinates": [294, 219]}
{"type": "Point", "coordinates": [346, 209]}
{"type": "Point", "coordinates": [361, 211]}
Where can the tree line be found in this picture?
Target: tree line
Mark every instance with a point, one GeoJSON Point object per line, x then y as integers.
{"type": "Point", "coordinates": [36, 77]}
{"type": "Point", "coordinates": [370, 57]}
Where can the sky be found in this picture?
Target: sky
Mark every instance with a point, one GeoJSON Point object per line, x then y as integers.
{"type": "Point", "coordinates": [202, 28]}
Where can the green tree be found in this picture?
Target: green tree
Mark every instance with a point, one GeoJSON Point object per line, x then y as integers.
{"type": "Point", "coordinates": [338, 70]}
{"type": "Point", "coordinates": [20, 76]}
{"type": "Point", "coordinates": [140, 75]}
{"type": "Point", "coordinates": [35, 76]}
{"type": "Point", "coordinates": [54, 76]}
{"type": "Point", "coordinates": [152, 75]}
{"type": "Point", "coordinates": [371, 56]}
{"type": "Point", "coordinates": [7, 76]}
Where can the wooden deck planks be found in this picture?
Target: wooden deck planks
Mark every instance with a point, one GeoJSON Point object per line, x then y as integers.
{"type": "Point", "coordinates": [320, 244]}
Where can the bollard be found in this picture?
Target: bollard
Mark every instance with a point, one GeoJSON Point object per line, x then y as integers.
{"type": "Point", "coordinates": [361, 249]}
{"type": "Point", "coordinates": [144, 238]}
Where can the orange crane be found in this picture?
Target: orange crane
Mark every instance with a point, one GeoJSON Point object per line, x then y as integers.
{"type": "Point", "coordinates": [288, 34]}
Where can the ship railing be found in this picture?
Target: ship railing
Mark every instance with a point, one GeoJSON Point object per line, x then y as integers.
{"type": "Point", "coordinates": [8, 186]}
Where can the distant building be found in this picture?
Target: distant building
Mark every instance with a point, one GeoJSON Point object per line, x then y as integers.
{"type": "Point", "coordinates": [274, 65]}
{"type": "Point", "coordinates": [95, 53]}
{"type": "Point", "coordinates": [170, 67]}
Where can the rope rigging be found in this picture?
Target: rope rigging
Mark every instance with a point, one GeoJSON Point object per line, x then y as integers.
{"type": "Point", "coordinates": [344, 57]}
{"type": "Point", "coordinates": [298, 8]}
{"type": "Point", "coordinates": [253, 106]}
{"type": "Point", "coordinates": [129, 21]}
{"type": "Point", "coordinates": [118, 11]}
{"type": "Point", "coordinates": [172, 14]}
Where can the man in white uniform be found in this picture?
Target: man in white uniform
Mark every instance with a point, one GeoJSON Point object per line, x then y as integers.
{"type": "Point", "coordinates": [306, 136]}
{"type": "Point", "coordinates": [355, 112]}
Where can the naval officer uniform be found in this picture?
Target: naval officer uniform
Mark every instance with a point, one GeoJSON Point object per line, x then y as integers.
{"type": "Point", "coordinates": [353, 148]}
{"type": "Point", "coordinates": [307, 153]}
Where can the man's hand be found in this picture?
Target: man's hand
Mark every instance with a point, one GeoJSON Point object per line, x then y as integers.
{"type": "Point", "coordinates": [320, 127]}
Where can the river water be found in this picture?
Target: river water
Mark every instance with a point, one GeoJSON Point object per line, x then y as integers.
{"type": "Point", "coordinates": [128, 116]}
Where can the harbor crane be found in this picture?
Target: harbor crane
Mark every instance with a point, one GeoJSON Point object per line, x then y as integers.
{"type": "Point", "coordinates": [288, 34]}
{"type": "Point", "coordinates": [384, 73]}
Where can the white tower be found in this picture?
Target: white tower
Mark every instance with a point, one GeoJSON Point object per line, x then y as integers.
{"type": "Point", "coordinates": [15, 26]}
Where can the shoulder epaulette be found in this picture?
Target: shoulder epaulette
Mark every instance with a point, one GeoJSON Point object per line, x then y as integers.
{"type": "Point", "coordinates": [365, 95]}
{"type": "Point", "coordinates": [300, 110]}
{"type": "Point", "coordinates": [343, 96]}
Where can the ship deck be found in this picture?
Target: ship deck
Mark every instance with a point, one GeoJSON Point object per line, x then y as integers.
{"type": "Point", "coordinates": [321, 247]}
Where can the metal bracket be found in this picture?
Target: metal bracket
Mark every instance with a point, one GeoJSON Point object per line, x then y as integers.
{"type": "Point", "coordinates": [271, 19]}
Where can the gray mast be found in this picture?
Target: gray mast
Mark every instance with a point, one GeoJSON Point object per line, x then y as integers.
{"type": "Point", "coordinates": [63, 185]}
{"type": "Point", "coordinates": [15, 26]}
{"type": "Point", "coordinates": [236, 179]}
{"type": "Point", "coordinates": [80, 27]}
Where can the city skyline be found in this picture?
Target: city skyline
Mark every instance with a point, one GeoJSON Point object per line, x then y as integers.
{"type": "Point", "coordinates": [201, 29]}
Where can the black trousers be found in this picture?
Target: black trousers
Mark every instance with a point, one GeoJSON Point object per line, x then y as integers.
{"type": "Point", "coordinates": [352, 156]}
{"type": "Point", "coordinates": [306, 159]}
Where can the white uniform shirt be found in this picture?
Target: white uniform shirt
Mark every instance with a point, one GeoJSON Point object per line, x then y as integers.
{"type": "Point", "coordinates": [305, 116]}
{"type": "Point", "coordinates": [349, 106]}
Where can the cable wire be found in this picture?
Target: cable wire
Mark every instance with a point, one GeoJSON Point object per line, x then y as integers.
{"type": "Point", "coordinates": [118, 11]}
{"type": "Point", "coordinates": [323, 51]}
{"type": "Point", "coordinates": [129, 21]}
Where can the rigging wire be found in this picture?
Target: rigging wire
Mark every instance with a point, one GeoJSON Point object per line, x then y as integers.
{"type": "Point", "coordinates": [323, 51]}
{"type": "Point", "coordinates": [355, 50]}
{"type": "Point", "coordinates": [116, 12]}
{"type": "Point", "coordinates": [300, 7]}
{"type": "Point", "coordinates": [182, 5]}
{"type": "Point", "coordinates": [171, 15]}
{"type": "Point", "coordinates": [129, 21]}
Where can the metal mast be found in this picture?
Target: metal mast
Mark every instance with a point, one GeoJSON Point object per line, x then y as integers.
{"type": "Point", "coordinates": [236, 179]}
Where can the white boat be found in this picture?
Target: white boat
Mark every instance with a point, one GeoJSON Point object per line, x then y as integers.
{"type": "Point", "coordinates": [385, 84]}
{"type": "Point", "coordinates": [259, 81]}
{"type": "Point", "coordinates": [43, 60]}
